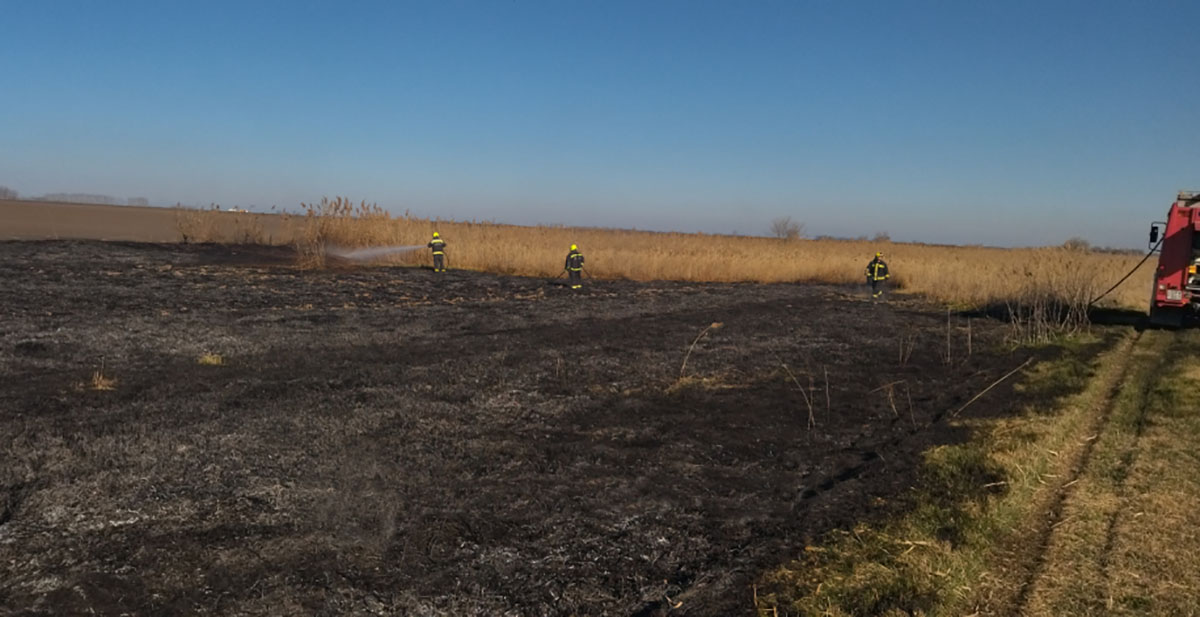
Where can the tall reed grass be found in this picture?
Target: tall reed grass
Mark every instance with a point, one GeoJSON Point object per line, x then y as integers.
{"type": "Point", "coordinates": [216, 225]}
{"type": "Point", "coordinates": [1045, 286]}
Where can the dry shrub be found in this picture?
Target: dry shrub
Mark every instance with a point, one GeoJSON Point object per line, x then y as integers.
{"type": "Point", "coordinates": [1053, 298]}
{"type": "Point", "coordinates": [310, 243]}
{"type": "Point", "coordinates": [338, 222]}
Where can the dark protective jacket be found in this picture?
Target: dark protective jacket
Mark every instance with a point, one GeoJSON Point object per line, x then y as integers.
{"type": "Point", "coordinates": [574, 261]}
{"type": "Point", "coordinates": [877, 270]}
{"type": "Point", "coordinates": [438, 245]}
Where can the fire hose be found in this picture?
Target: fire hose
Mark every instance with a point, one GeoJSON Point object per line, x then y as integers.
{"type": "Point", "coordinates": [1129, 274]}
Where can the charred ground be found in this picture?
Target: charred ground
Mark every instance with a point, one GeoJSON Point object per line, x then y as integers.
{"type": "Point", "coordinates": [391, 440]}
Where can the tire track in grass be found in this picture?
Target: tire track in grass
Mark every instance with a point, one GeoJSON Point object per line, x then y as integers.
{"type": "Point", "coordinates": [1069, 571]}
{"type": "Point", "coordinates": [1151, 562]}
{"type": "Point", "coordinates": [1032, 559]}
{"type": "Point", "coordinates": [1128, 458]}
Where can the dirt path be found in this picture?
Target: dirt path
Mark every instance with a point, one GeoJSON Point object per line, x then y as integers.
{"type": "Point", "coordinates": [1098, 550]}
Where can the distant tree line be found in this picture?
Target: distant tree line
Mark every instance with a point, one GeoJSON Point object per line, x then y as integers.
{"type": "Point", "coordinates": [77, 198]}
{"type": "Point", "coordinates": [787, 228]}
{"type": "Point", "coordinates": [1082, 245]}
{"type": "Point", "coordinates": [80, 198]}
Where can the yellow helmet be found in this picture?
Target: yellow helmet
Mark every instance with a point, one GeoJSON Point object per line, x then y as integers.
{"type": "Point", "coordinates": [435, 234]}
{"type": "Point", "coordinates": [574, 248]}
{"type": "Point", "coordinates": [876, 254]}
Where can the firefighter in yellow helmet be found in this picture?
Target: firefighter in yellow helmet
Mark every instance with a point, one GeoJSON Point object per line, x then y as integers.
{"type": "Point", "coordinates": [574, 267]}
{"type": "Point", "coordinates": [439, 252]}
{"type": "Point", "coordinates": [877, 272]}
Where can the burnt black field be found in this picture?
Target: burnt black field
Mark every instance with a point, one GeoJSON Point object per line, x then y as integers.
{"type": "Point", "coordinates": [396, 441]}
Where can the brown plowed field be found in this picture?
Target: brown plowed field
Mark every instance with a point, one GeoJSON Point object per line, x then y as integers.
{"type": "Point", "coordinates": [36, 220]}
{"type": "Point", "coordinates": [394, 441]}
{"type": "Point", "coordinates": [39, 220]}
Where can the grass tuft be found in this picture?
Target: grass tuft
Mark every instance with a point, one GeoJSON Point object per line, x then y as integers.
{"type": "Point", "coordinates": [100, 382]}
{"type": "Point", "coordinates": [210, 359]}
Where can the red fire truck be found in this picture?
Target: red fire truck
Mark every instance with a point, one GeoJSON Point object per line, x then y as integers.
{"type": "Point", "coordinates": [1176, 295]}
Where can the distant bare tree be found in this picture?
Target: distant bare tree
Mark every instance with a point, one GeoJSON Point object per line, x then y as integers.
{"type": "Point", "coordinates": [882, 236]}
{"type": "Point", "coordinates": [1077, 244]}
{"type": "Point", "coordinates": [139, 201]}
{"type": "Point", "coordinates": [787, 229]}
{"type": "Point", "coordinates": [7, 193]}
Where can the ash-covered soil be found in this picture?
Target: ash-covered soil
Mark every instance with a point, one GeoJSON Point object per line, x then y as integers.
{"type": "Point", "coordinates": [396, 441]}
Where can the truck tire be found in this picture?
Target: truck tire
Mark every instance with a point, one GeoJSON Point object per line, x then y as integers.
{"type": "Point", "coordinates": [1166, 316]}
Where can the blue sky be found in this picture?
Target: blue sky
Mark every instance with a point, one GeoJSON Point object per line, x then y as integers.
{"type": "Point", "coordinates": [1009, 123]}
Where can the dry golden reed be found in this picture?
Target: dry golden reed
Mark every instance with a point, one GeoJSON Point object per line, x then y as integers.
{"type": "Point", "coordinates": [964, 276]}
{"type": "Point", "coordinates": [216, 225]}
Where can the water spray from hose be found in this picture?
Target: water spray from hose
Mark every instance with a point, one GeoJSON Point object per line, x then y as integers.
{"type": "Point", "coordinates": [374, 252]}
